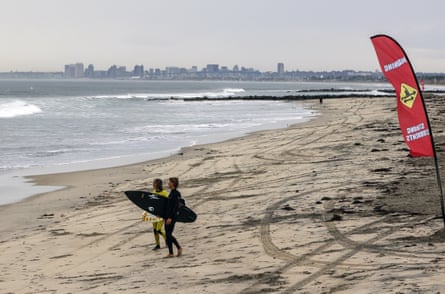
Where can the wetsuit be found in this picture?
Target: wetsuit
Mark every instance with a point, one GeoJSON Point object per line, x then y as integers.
{"type": "Point", "coordinates": [158, 227]}
{"type": "Point", "coordinates": [171, 212]}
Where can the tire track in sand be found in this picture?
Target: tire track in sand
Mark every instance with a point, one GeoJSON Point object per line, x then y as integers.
{"type": "Point", "coordinates": [352, 247]}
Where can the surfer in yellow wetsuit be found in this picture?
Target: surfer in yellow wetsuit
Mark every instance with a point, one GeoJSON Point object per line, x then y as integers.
{"type": "Point", "coordinates": [158, 226]}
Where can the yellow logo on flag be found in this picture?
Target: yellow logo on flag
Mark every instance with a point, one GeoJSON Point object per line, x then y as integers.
{"type": "Point", "coordinates": [408, 95]}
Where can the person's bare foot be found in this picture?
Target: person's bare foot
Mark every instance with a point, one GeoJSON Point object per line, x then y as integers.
{"type": "Point", "coordinates": [169, 255]}
{"type": "Point", "coordinates": [179, 251]}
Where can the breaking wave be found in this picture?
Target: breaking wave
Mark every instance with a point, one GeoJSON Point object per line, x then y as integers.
{"type": "Point", "coordinates": [17, 108]}
{"type": "Point", "coordinates": [224, 93]}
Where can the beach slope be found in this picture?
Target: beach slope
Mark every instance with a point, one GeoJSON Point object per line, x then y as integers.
{"type": "Point", "coordinates": [332, 205]}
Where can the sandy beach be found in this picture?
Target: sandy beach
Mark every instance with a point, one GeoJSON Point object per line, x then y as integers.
{"type": "Point", "coordinates": [334, 205]}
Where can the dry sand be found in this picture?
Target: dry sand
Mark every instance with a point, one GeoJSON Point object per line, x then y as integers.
{"type": "Point", "coordinates": [331, 206]}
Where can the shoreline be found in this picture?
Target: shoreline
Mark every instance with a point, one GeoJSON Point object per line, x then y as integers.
{"type": "Point", "coordinates": [323, 206]}
{"type": "Point", "coordinates": [25, 176]}
{"type": "Point", "coordinates": [55, 182]}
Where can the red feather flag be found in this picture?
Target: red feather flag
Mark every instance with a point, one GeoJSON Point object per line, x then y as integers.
{"type": "Point", "coordinates": [413, 118]}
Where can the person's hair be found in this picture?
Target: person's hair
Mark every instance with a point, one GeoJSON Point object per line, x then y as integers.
{"type": "Point", "coordinates": [157, 185]}
{"type": "Point", "coordinates": [174, 181]}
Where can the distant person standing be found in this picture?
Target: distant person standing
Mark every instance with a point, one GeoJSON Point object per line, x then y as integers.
{"type": "Point", "coordinates": [171, 215]}
{"type": "Point", "coordinates": [158, 226]}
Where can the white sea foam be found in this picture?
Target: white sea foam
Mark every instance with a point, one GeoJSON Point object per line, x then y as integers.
{"type": "Point", "coordinates": [224, 93]}
{"type": "Point", "coordinates": [159, 131]}
{"type": "Point", "coordinates": [17, 108]}
{"type": "Point", "coordinates": [377, 93]}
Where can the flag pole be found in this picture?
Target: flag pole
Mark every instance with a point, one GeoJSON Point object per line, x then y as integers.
{"type": "Point", "coordinates": [436, 161]}
{"type": "Point", "coordinates": [439, 182]}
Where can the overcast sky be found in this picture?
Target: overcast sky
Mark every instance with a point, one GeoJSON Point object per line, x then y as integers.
{"type": "Point", "coordinates": [43, 35]}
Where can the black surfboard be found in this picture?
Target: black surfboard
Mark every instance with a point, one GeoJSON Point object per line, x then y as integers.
{"type": "Point", "coordinates": [156, 205]}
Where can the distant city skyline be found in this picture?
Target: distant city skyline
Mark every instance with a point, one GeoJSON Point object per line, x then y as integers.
{"type": "Point", "coordinates": [305, 35]}
{"type": "Point", "coordinates": [78, 67]}
{"type": "Point", "coordinates": [78, 70]}
{"type": "Point", "coordinates": [276, 67]}
{"type": "Point", "coordinates": [211, 71]}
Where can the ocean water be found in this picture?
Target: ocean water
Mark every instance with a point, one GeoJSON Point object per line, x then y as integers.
{"type": "Point", "coordinates": [59, 125]}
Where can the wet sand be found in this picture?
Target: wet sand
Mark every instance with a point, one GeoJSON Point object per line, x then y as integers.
{"type": "Point", "coordinates": [334, 205]}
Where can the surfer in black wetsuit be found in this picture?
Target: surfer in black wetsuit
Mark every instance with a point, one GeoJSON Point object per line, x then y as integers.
{"type": "Point", "coordinates": [170, 216]}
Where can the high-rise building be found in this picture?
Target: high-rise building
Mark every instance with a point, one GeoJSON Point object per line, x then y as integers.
{"type": "Point", "coordinates": [112, 72]}
{"type": "Point", "coordinates": [280, 68]}
{"type": "Point", "coordinates": [69, 71]}
{"type": "Point", "coordinates": [74, 71]}
{"type": "Point", "coordinates": [138, 71]}
{"type": "Point", "coordinates": [89, 72]}
{"type": "Point", "coordinates": [212, 68]}
{"type": "Point", "coordinates": [121, 72]}
{"type": "Point", "coordinates": [79, 72]}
